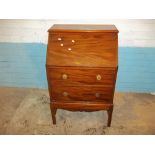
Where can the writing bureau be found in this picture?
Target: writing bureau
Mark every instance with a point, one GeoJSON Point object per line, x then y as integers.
{"type": "Point", "coordinates": [81, 66]}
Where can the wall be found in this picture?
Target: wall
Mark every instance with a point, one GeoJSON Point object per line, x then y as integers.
{"type": "Point", "coordinates": [23, 46]}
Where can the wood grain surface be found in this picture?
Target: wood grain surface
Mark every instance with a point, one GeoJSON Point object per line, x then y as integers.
{"type": "Point", "coordinates": [87, 50]}
{"type": "Point", "coordinates": [82, 106]}
{"type": "Point", "coordinates": [77, 93]}
{"type": "Point", "coordinates": [81, 66]}
{"type": "Point", "coordinates": [82, 28]}
{"type": "Point", "coordinates": [69, 76]}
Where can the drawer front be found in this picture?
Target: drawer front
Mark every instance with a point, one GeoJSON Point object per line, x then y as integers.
{"type": "Point", "coordinates": [81, 93]}
{"type": "Point", "coordinates": [69, 76]}
{"type": "Point", "coordinates": [86, 49]}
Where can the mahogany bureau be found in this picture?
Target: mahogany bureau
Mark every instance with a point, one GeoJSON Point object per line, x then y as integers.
{"type": "Point", "coordinates": [81, 66]}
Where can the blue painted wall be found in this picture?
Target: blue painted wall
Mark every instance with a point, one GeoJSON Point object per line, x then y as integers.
{"type": "Point", "coordinates": [23, 65]}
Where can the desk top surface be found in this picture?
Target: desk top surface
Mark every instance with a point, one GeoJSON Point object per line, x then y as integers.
{"type": "Point", "coordinates": [82, 28]}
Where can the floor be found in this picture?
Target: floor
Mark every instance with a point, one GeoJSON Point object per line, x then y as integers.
{"type": "Point", "coordinates": [26, 111]}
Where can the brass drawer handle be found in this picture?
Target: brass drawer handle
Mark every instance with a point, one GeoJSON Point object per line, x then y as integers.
{"type": "Point", "coordinates": [65, 94]}
{"type": "Point", "coordinates": [59, 39]}
{"type": "Point", "coordinates": [97, 95]}
{"type": "Point", "coordinates": [64, 76]}
{"type": "Point", "coordinates": [98, 77]}
{"type": "Point", "coordinates": [69, 49]}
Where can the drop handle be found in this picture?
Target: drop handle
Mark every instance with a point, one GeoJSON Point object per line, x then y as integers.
{"type": "Point", "coordinates": [98, 77]}
{"type": "Point", "coordinates": [64, 76]}
{"type": "Point", "coordinates": [65, 94]}
{"type": "Point", "coordinates": [69, 49]}
{"type": "Point", "coordinates": [59, 39]}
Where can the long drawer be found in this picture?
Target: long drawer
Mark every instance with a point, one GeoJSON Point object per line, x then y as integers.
{"type": "Point", "coordinates": [76, 93]}
{"type": "Point", "coordinates": [69, 76]}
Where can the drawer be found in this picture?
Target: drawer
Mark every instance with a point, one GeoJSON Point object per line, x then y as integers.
{"type": "Point", "coordinates": [87, 49]}
{"type": "Point", "coordinates": [74, 93]}
{"type": "Point", "coordinates": [69, 76]}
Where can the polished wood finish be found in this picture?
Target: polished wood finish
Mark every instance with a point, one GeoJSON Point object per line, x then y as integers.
{"type": "Point", "coordinates": [83, 93]}
{"type": "Point", "coordinates": [70, 76]}
{"type": "Point", "coordinates": [82, 106]}
{"type": "Point", "coordinates": [81, 66]}
{"type": "Point", "coordinates": [53, 113]}
{"type": "Point", "coordinates": [109, 111]}
{"type": "Point", "coordinates": [82, 52]}
{"type": "Point", "coordinates": [82, 28]}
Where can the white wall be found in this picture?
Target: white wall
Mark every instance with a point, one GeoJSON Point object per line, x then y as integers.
{"type": "Point", "coordinates": [134, 33]}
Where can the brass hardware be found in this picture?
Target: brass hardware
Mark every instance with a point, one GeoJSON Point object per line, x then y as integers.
{"type": "Point", "coordinates": [65, 93]}
{"type": "Point", "coordinates": [73, 41]}
{"type": "Point", "coordinates": [98, 77]}
{"type": "Point", "coordinates": [64, 76]}
{"type": "Point", "coordinates": [59, 39]}
{"type": "Point", "coordinates": [61, 44]}
{"type": "Point", "coordinates": [97, 94]}
{"type": "Point", "coordinates": [77, 62]}
{"type": "Point", "coordinates": [69, 49]}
